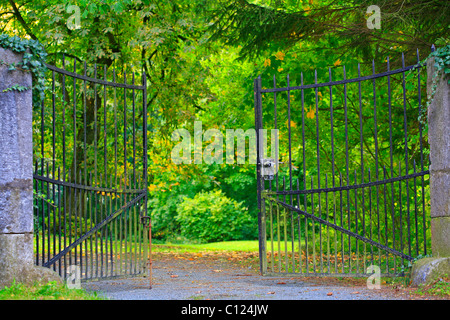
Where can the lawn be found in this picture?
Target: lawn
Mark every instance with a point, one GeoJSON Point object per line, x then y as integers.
{"type": "Point", "coordinates": [48, 291]}
{"type": "Point", "coordinates": [239, 245]}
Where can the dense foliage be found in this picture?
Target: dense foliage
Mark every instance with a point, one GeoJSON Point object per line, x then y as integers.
{"type": "Point", "coordinates": [200, 58]}
{"type": "Point", "coordinates": [212, 217]}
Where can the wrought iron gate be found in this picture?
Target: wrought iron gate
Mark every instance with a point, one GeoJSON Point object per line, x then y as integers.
{"type": "Point", "coordinates": [90, 175]}
{"type": "Point", "coordinates": [349, 187]}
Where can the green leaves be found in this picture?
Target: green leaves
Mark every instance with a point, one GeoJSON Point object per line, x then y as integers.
{"type": "Point", "coordinates": [34, 56]}
{"type": "Point", "coordinates": [211, 216]}
{"type": "Point", "coordinates": [16, 88]}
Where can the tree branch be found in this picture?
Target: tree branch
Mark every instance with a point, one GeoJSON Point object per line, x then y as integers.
{"type": "Point", "coordinates": [22, 21]}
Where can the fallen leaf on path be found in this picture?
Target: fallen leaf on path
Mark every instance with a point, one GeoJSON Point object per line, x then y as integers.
{"type": "Point", "coordinates": [174, 276]}
{"type": "Point", "coordinates": [271, 292]}
{"type": "Point", "coordinates": [329, 293]}
{"type": "Point", "coordinates": [217, 270]}
{"type": "Point", "coordinates": [281, 282]}
{"type": "Point", "coordinates": [356, 292]}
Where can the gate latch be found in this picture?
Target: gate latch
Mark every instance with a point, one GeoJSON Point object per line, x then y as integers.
{"type": "Point", "coordinates": [268, 169]}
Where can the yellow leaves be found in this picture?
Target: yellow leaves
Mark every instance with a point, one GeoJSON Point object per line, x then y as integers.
{"type": "Point", "coordinates": [113, 195]}
{"type": "Point", "coordinates": [152, 187]}
{"type": "Point", "coordinates": [293, 124]}
{"type": "Point", "coordinates": [310, 114]}
{"type": "Point", "coordinates": [280, 69]}
{"type": "Point", "coordinates": [267, 62]}
{"type": "Point", "coordinates": [337, 63]}
{"type": "Point", "coordinates": [279, 55]}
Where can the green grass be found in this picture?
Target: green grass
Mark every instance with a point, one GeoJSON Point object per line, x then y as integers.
{"type": "Point", "coordinates": [49, 291]}
{"type": "Point", "coordinates": [440, 287]}
{"type": "Point", "coordinates": [240, 245]}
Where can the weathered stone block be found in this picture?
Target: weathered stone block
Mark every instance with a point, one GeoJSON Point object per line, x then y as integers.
{"type": "Point", "coordinates": [440, 194]}
{"type": "Point", "coordinates": [440, 236]}
{"type": "Point", "coordinates": [439, 121]}
{"type": "Point", "coordinates": [16, 207]}
{"type": "Point", "coordinates": [16, 139]}
{"type": "Point", "coordinates": [16, 262]}
{"type": "Point", "coordinates": [427, 270]}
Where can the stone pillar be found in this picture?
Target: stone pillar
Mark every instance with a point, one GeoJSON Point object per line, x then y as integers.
{"type": "Point", "coordinates": [429, 269]}
{"type": "Point", "coordinates": [439, 139]}
{"type": "Point", "coordinates": [16, 178]}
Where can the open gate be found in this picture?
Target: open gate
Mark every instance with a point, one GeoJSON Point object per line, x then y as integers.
{"type": "Point", "coordinates": [90, 175]}
{"type": "Point", "coordinates": [348, 189]}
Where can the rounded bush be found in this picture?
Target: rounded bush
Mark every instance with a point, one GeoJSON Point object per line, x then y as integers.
{"type": "Point", "coordinates": [211, 216]}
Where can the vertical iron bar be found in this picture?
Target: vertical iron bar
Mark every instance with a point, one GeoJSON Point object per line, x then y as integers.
{"type": "Point", "coordinates": [48, 213]}
{"type": "Point", "coordinates": [115, 129]}
{"type": "Point", "coordinates": [290, 170]}
{"type": "Point", "coordinates": [82, 222]}
{"type": "Point", "coordinates": [362, 165]}
{"type": "Point", "coordinates": [112, 249]}
{"type": "Point", "coordinates": [421, 156]}
{"type": "Point", "coordinates": [54, 163]}
{"type": "Point", "coordinates": [299, 231]}
{"type": "Point", "coordinates": [406, 154]}
{"type": "Point", "coordinates": [134, 135]}
{"type": "Point", "coordinates": [401, 209]}
{"type": "Point", "coordinates": [105, 151]}
{"type": "Point", "coordinates": [332, 168]}
{"type": "Point", "coordinates": [318, 168]}
{"type": "Point", "coordinates": [91, 197]}
{"type": "Point", "coordinates": [260, 182]}
{"type": "Point", "coordinates": [391, 162]}
{"type": "Point", "coordinates": [276, 175]}
{"type": "Point", "coordinates": [145, 177]}
{"type": "Point", "coordinates": [347, 168]}
{"type": "Point", "coordinates": [83, 214]}
{"type": "Point", "coordinates": [313, 229]}
{"type": "Point", "coordinates": [342, 224]}
{"type": "Point", "coordinates": [304, 174]}
{"type": "Point", "coordinates": [356, 223]}
{"type": "Point", "coordinates": [386, 243]}
{"type": "Point", "coordinates": [328, 228]}
{"type": "Point", "coordinates": [59, 210]}
{"type": "Point", "coordinates": [75, 120]}
{"type": "Point", "coordinates": [103, 207]}
{"type": "Point", "coordinates": [69, 214]}
{"type": "Point", "coordinates": [370, 217]}
{"type": "Point", "coordinates": [95, 181]}
{"type": "Point", "coordinates": [415, 210]}
{"type": "Point", "coordinates": [286, 262]}
{"type": "Point", "coordinates": [125, 129]}
{"type": "Point", "coordinates": [66, 189]}
{"type": "Point", "coordinates": [376, 156]}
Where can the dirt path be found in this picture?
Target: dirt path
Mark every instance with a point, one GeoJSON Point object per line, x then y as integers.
{"type": "Point", "coordinates": [219, 276]}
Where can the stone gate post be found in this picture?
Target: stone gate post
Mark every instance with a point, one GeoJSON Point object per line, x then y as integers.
{"type": "Point", "coordinates": [16, 177]}
{"type": "Point", "coordinates": [425, 270]}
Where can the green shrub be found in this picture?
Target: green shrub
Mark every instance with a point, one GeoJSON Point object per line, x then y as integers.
{"type": "Point", "coordinates": [211, 216]}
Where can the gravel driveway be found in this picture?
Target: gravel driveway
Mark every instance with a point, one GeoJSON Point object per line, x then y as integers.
{"type": "Point", "coordinates": [213, 277]}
